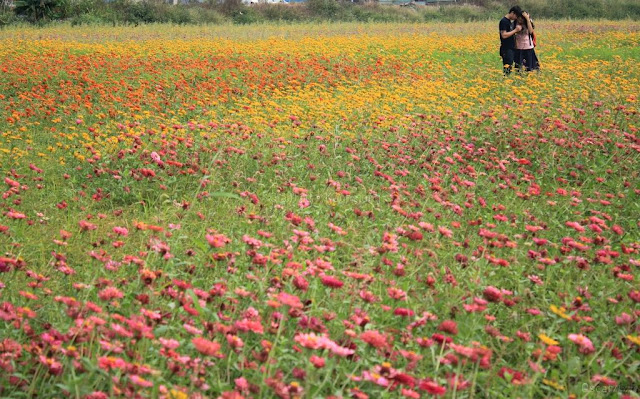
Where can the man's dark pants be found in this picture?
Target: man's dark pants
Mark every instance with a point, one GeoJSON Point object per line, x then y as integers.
{"type": "Point", "coordinates": [508, 56]}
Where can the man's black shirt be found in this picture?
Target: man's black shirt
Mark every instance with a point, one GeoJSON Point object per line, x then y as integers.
{"type": "Point", "coordinates": [506, 25]}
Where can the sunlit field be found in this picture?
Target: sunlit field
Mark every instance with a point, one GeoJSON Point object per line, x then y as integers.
{"type": "Point", "coordinates": [315, 211]}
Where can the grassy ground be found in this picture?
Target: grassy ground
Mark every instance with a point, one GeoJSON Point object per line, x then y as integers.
{"type": "Point", "coordinates": [317, 210]}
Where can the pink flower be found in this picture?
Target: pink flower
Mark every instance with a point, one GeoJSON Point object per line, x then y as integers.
{"type": "Point", "coordinates": [54, 366]}
{"type": "Point", "coordinates": [445, 231]}
{"type": "Point", "coordinates": [576, 226]}
{"type": "Point", "coordinates": [624, 319]}
{"type": "Point", "coordinates": [110, 293]}
{"type": "Point", "coordinates": [241, 384]}
{"type": "Point", "coordinates": [122, 231]}
{"type": "Point", "coordinates": [140, 381]}
{"type": "Point", "coordinates": [289, 300]}
{"type": "Point", "coordinates": [340, 350]}
{"type": "Point", "coordinates": [313, 341]}
{"type": "Point", "coordinates": [463, 350]}
{"type": "Point", "coordinates": [169, 343]}
{"type": "Point", "coordinates": [331, 281]}
{"type": "Point", "coordinates": [457, 382]}
{"type": "Point", "coordinates": [409, 393]}
{"type": "Point", "coordinates": [374, 338]}
{"type": "Point", "coordinates": [217, 240]}
{"type": "Point", "coordinates": [234, 341]}
{"type": "Point", "coordinates": [300, 283]}
{"type": "Point", "coordinates": [110, 363]}
{"type": "Point", "coordinates": [604, 380]}
{"type": "Point", "coordinates": [11, 183]}
{"type": "Point", "coordinates": [375, 378]}
{"type": "Point", "coordinates": [15, 215]}
{"type": "Point", "coordinates": [540, 241]}
{"type": "Point", "coordinates": [318, 362]}
{"type": "Point", "coordinates": [535, 279]}
{"type": "Point", "coordinates": [536, 367]}
{"type": "Point", "coordinates": [585, 344]}
{"type": "Point", "coordinates": [84, 225]}
{"type": "Point", "coordinates": [246, 325]}
{"type": "Point", "coordinates": [191, 329]}
{"type": "Point", "coordinates": [206, 347]}
{"type": "Point", "coordinates": [303, 203]}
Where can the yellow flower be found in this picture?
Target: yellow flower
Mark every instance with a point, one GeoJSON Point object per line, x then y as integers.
{"type": "Point", "coordinates": [559, 311]}
{"type": "Point", "coordinates": [175, 394]}
{"type": "Point", "coordinates": [553, 384]}
{"type": "Point", "coordinates": [547, 340]}
{"type": "Point", "coordinates": [635, 340]}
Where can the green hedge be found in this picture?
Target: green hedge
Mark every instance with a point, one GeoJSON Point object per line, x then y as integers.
{"type": "Point", "coordinates": [128, 12]}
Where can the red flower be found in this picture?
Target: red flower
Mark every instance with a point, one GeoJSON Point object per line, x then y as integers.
{"type": "Point", "coordinates": [441, 339]}
{"type": "Point", "coordinates": [358, 394]}
{"type": "Point", "coordinates": [449, 326]}
{"type": "Point", "coordinates": [492, 294]}
{"type": "Point", "coordinates": [432, 387]}
{"type": "Point", "coordinates": [415, 236]}
{"type": "Point", "coordinates": [403, 312]}
{"type": "Point", "coordinates": [514, 376]}
{"type": "Point", "coordinates": [331, 281]}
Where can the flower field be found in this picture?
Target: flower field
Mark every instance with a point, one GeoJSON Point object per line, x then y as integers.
{"type": "Point", "coordinates": [347, 211]}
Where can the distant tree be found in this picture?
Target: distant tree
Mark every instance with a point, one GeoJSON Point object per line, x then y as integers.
{"type": "Point", "coordinates": [35, 10]}
{"type": "Point", "coordinates": [231, 7]}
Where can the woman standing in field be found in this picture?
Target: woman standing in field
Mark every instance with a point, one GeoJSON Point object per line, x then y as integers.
{"type": "Point", "coordinates": [525, 43]}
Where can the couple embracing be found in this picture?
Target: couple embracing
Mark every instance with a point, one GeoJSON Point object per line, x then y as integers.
{"type": "Point", "coordinates": [517, 41]}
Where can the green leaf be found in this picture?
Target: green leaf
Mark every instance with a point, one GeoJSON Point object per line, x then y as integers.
{"type": "Point", "coordinates": [64, 387]}
{"type": "Point", "coordinates": [574, 365]}
{"type": "Point", "coordinates": [196, 303]}
{"type": "Point", "coordinates": [161, 330]}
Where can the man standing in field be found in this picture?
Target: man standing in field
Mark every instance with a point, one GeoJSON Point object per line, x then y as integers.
{"type": "Point", "coordinates": [508, 29]}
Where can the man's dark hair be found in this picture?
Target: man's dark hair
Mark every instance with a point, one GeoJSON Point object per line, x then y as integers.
{"type": "Point", "coordinates": [516, 10]}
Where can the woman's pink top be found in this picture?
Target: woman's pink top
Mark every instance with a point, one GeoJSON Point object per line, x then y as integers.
{"type": "Point", "coordinates": [523, 40]}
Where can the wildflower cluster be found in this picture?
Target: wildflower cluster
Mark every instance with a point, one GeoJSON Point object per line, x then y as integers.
{"type": "Point", "coordinates": [362, 215]}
